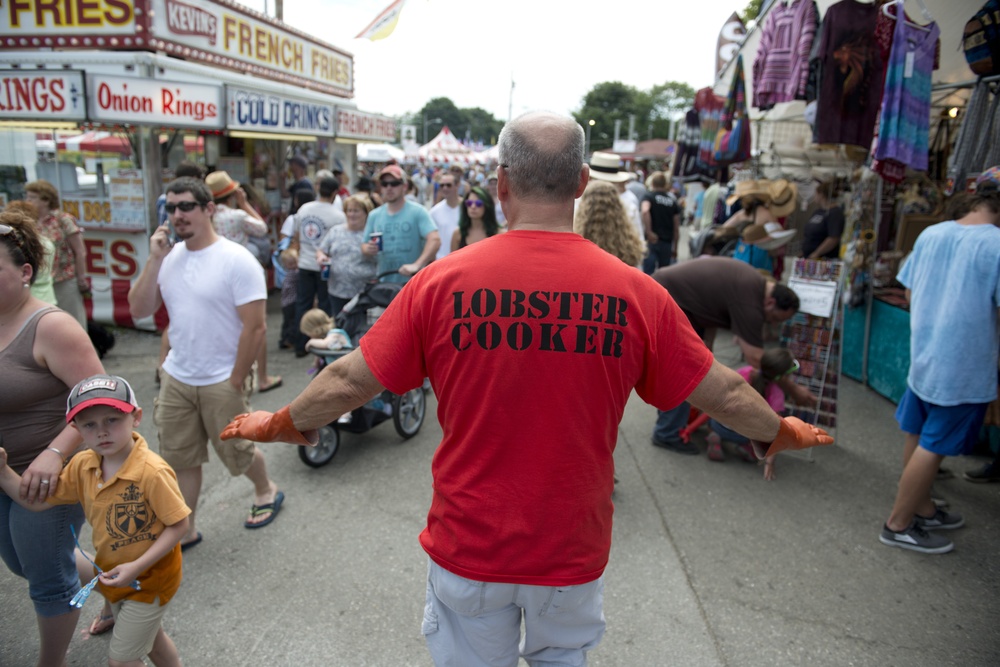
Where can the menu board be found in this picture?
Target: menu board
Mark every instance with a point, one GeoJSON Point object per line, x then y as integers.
{"type": "Point", "coordinates": [127, 199]}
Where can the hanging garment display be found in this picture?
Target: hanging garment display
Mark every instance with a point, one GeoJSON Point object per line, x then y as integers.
{"type": "Point", "coordinates": [688, 140]}
{"type": "Point", "coordinates": [885, 29]}
{"type": "Point", "coordinates": [781, 67]}
{"type": "Point", "coordinates": [849, 93]}
{"type": "Point", "coordinates": [732, 142]}
{"type": "Point", "coordinates": [709, 106]}
{"type": "Point", "coordinates": [904, 130]}
{"type": "Point", "coordinates": [978, 137]}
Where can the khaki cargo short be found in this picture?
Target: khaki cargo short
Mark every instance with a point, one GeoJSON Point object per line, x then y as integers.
{"type": "Point", "coordinates": [136, 627]}
{"type": "Point", "coordinates": [188, 417]}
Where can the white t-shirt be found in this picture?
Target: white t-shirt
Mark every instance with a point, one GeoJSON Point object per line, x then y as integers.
{"type": "Point", "coordinates": [202, 290]}
{"type": "Point", "coordinates": [446, 219]}
{"type": "Point", "coordinates": [631, 205]}
{"type": "Point", "coordinates": [312, 221]}
{"type": "Point", "coordinates": [288, 226]}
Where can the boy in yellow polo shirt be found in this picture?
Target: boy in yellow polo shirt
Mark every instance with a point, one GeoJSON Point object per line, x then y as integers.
{"type": "Point", "coordinates": [132, 502]}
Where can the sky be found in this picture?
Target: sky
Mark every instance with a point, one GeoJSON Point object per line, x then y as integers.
{"type": "Point", "coordinates": [555, 50]}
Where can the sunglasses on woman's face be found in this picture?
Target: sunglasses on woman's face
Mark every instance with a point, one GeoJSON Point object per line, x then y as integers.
{"type": "Point", "coordinates": [474, 203]}
{"type": "Point", "coordinates": [186, 206]}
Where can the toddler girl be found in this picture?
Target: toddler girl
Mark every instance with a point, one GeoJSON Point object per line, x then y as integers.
{"type": "Point", "coordinates": [775, 364]}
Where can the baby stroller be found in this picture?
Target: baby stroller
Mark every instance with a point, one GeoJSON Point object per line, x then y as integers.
{"type": "Point", "coordinates": [406, 412]}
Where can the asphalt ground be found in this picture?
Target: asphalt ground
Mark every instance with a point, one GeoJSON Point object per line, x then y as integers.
{"type": "Point", "coordinates": [710, 564]}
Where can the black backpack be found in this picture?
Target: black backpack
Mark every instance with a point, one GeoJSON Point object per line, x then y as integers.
{"type": "Point", "coordinates": [981, 40]}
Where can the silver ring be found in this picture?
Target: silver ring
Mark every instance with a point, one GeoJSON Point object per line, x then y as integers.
{"type": "Point", "coordinates": [44, 481]}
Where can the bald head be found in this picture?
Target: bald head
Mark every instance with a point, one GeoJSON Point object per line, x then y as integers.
{"type": "Point", "coordinates": [542, 155]}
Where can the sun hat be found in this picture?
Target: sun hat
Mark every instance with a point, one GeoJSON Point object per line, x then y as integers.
{"type": "Point", "coordinates": [108, 390]}
{"type": "Point", "coordinates": [777, 236]}
{"type": "Point", "coordinates": [754, 234]}
{"type": "Point", "coordinates": [221, 184]}
{"type": "Point", "coordinates": [989, 180]}
{"type": "Point", "coordinates": [604, 167]}
{"type": "Point", "coordinates": [783, 197]}
{"type": "Point", "coordinates": [750, 188]}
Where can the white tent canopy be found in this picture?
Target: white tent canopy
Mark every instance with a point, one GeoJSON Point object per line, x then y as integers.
{"type": "Point", "coordinates": [445, 148]}
{"type": "Point", "coordinates": [380, 153]}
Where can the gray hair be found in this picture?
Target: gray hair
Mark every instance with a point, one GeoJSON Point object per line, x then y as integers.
{"type": "Point", "coordinates": [542, 155]}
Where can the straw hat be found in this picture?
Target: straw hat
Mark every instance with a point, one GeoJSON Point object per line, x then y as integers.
{"type": "Point", "coordinates": [777, 236]}
{"type": "Point", "coordinates": [754, 234]}
{"type": "Point", "coordinates": [604, 167]}
{"type": "Point", "coordinates": [757, 189]}
{"type": "Point", "coordinates": [220, 184]}
{"type": "Point", "coordinates": [783, 197]}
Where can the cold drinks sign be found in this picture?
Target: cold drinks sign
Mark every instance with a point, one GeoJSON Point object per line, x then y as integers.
{"type": "Point", "coordinates": [115, 99]}
{"type": "Point", "coordinates": [255, 110]}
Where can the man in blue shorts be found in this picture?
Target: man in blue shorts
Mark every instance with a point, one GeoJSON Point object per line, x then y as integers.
{"type": "Point", "coordinates": [952, 279]}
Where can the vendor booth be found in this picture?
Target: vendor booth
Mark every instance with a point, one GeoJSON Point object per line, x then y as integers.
{"type": "Point", "coordinates": [815, 87]}
{"type": "Point", "coordinates": [104, 109]}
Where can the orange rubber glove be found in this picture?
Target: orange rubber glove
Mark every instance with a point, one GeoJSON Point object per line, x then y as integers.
{"type": "Point", "coordinates": [263, 426]}
{"type": "Point", "coordinates": [792, 434]}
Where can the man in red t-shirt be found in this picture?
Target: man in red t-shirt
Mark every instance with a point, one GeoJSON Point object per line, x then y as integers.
{"type": "Point", "coordinates": [558, 332]}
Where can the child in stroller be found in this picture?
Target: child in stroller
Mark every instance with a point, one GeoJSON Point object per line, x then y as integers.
{"type": "Point", "coordinates": [330, 340]}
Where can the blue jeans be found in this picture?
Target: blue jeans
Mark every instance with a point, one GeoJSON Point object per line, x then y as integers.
{"type": "Point", "coordinates": [478, 624]}
{"type": "Point", "coordinates": [727, 434]}
{"type": "Point", "coordinates": [660, 254]}
{"type": "Point", "coordinates": [38, 546]}
{"type": "Point", "coordinates": [669, 423]}
{"type": "Point", "coordinates": [311, 286]}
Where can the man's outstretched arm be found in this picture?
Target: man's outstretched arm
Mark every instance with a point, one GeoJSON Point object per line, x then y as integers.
{"type": "Point", "coordinates": [346, 384]}
{"type": "Point", "coordinates": [728, 398]}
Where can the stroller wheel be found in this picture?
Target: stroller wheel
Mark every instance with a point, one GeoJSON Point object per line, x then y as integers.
{"type": "Point", "coordinates": [323, 453]}
{"type": "Point", "coordinates": [408, 412]}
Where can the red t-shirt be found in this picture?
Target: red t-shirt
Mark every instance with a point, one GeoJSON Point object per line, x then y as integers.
{"type": "Point", "coordinates": [533, 342]}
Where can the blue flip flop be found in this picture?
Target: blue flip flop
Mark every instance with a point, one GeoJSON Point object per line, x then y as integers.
{"type": "Point", "coordinates": [193, 543]}
{"type": "Point", "coordinates": [271, 509]}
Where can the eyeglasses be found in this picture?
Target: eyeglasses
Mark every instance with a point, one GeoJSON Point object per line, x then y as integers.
{"type": "Point", "coordinates": [446, 185]}
{"type": "Point", "coordinates": [390, 184]}
{"type": "Point", "coordinates": [794, 369]}
{"type": "Point", "coordinates": [186, 206]}
{"type": "Point", "coordinates": [473, 203]}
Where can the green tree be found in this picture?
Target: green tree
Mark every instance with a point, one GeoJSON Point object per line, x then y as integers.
{"type": "Point", "coordinates": [670, 101]}
{"type": "Point", "coordinates": [654, 110]}
{"type": "Point", "coordinates": [443, 109]}
{"type": "Point", "coordinates": [610, 101]}
{"type": "Point", "coordinates": [751, 11]}
{"type": "Point", "coordinates": [476, 123]}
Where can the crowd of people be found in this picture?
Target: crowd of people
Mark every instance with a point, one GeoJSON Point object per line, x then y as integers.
{"type": "Point", "coordinates": [552, 281]}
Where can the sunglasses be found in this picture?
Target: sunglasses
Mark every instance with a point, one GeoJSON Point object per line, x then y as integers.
{"type": "Point", "coordinates": [790, 371]}
{"type": "Point", "coordinates": [446, 185]}
{"type": "Point", "coordinates": [186, 206]}
{"type": "Point", "coordinates": [390, 184]}
{"type": "Point", "coordinates": [474, 203]}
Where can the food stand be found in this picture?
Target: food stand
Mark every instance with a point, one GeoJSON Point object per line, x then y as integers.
{"type": "Point", "coordinates": [157, 82]}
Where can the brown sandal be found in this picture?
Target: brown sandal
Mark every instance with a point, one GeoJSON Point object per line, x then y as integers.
{"type": "Point", "coordinates": [101, 624]}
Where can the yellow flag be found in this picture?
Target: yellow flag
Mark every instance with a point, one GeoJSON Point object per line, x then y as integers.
{"type": "Point", "coordinates": [384, 23]}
